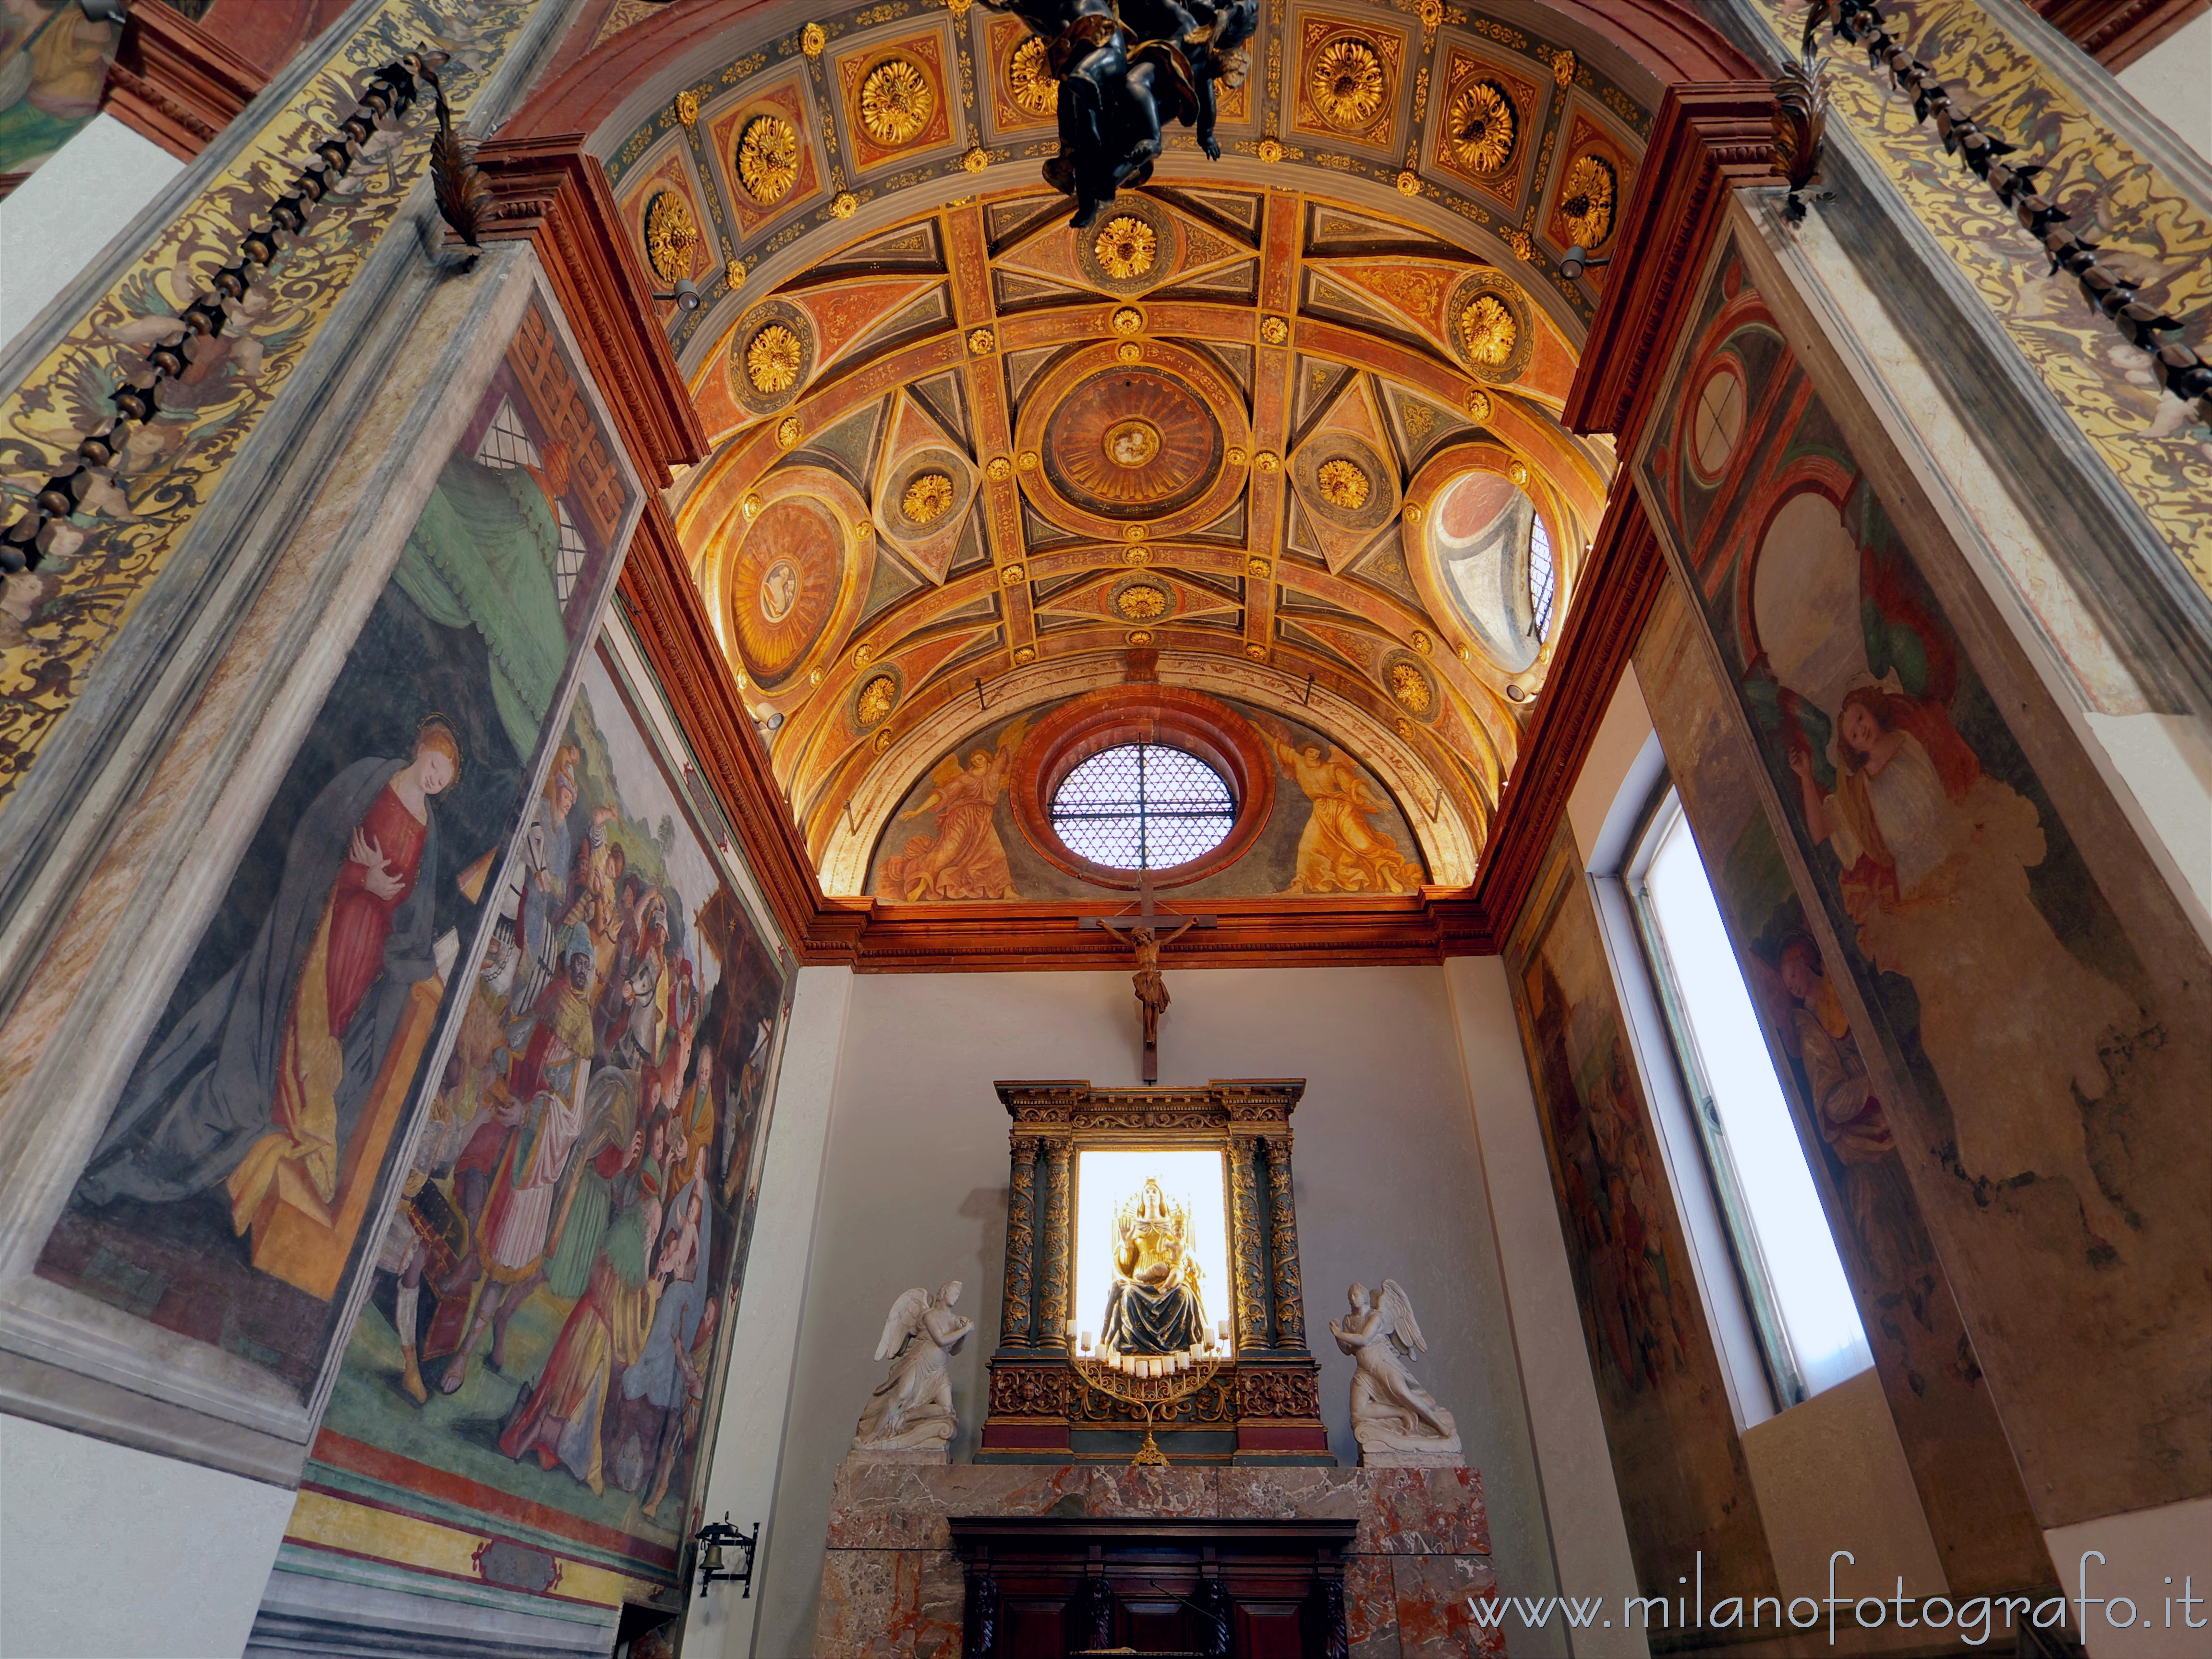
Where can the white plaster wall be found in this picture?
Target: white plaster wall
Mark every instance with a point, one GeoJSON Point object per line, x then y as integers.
{"type": "Point", "coordinates": [1388, 1182]}
{"type": "Point", "coordinates": [2173, 82]}
{"type": "Point", "coordinates": [757, 1393]}
{"type": "Point", "coordinates": [2151, 1557]}
{"type": "Point", "coordinates": [1831, 1475]}
{"type": "Point", "coordinates": [68, 210]}
{"type": "Point", "coordinates": [1589, 1537]}
{"type": "Point", "coordinates": [106, 1553]}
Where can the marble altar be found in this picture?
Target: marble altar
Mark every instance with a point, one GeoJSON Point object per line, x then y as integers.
{"type": "Point", "coordinates": [891, 1585]}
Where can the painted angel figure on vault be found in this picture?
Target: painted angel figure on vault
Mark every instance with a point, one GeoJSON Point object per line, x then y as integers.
{"type": "Point", "coordinates": [1154, 1306]}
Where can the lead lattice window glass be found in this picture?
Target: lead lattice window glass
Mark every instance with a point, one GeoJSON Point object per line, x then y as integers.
{"type": "Point", "coordinates": [1143, 807]}
{"type": "Point", "coordinates": [1543, 578]}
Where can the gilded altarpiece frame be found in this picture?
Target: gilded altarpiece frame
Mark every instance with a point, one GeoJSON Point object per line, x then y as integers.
{"type": "Point", "coordinates": [1264, 1406]}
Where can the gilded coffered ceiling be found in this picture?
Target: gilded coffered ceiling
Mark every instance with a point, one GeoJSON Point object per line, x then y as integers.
{"type": "Point", "coordinates": [1280, 428]}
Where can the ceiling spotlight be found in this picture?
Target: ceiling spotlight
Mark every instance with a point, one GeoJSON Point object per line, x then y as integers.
{"type": "Point", "coordinates": [686, 294]}
{"type": "Point", "coordinates": [1575, 261]}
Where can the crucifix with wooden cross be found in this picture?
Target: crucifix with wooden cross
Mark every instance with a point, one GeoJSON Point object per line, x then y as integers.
{"type": "Point", "coordinates": [1142, 931]}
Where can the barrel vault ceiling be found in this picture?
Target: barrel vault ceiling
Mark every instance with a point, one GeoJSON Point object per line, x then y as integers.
{"type": "Point", "coordinates": [1269, 429]}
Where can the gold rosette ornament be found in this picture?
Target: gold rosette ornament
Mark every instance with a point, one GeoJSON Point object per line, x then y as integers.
{"type": "Point", "coordinates": [896, 101]}
{"type": "Point", "coordinates": [767, 159]}
{"type": "Point", "coordinates": [1348, 84]}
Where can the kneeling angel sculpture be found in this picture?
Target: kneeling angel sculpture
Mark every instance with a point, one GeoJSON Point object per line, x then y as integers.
{"type": "Point", "coordinates": [1396, 1421]}
{"type": "Point", "coordinates": [912, 1413]}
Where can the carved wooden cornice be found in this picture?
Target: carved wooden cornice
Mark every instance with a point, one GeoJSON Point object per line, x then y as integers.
{"type": "Point", "coordinates": [1237, 1106]}
{"type": "Point", "coordinates": [550, 191]}
{"type": "Point", "coordinates": [173, 82]}
{"type": "Point", "coordinates": [2116, 32]}
{"type": "Point", "coordinates": [670, 620]}
{"type": "Point", "coordinates": [1620, 582]}
{"type": "Point", "coordinates": [1708, 138]}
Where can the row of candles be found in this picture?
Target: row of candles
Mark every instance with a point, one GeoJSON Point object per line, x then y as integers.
{"type": "Point", "coordinates": [1148, 1365]}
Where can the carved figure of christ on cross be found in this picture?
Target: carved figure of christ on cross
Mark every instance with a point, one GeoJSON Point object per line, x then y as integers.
{"type": "Point", "coordinates": [1147, 941]}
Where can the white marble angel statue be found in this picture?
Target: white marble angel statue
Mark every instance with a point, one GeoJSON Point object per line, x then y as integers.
{"type": "Point", "coordinates": [1396, 1421]}
{"type": "Point", "coordinates": [909, 1416]}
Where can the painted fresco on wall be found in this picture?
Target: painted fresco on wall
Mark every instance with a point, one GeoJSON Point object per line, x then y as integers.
{"type": "Point", "coordinates": [551, 1297]}
{"type": "Point", "coordinates": [1683, 1485]}
{"type": "Point", "coordinates": [1335, 828]}
{"type": "Point", "coordinates": [2040, 1004]}
{"type": "Point", "coordinates": [227, 1196]}
{"type": "Point", "coordinates": [53, 68]}
{"type": "Point", "coordinates": [1946, 1420]}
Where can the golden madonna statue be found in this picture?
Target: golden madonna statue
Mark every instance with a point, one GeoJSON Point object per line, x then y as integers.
{"type": "Point", "coordinates": [1154, 1306]}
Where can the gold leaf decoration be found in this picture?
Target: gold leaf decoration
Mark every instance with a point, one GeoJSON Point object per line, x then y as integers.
{"type": "Point", "coordinates": [812, 39]}
{"type": "Point", "coordinates": [767, 159]}
{"type": "Point", "coordinates": [1488, 327]}
{"type": "Point", "coordinates": [845, 205]}
{"type": "Point", "coordinates": [1126, 246]}
{"type": "Point", "coordinates": [671, 233]}
{"type": "Point", "coordinates": [1131, 443]}
{"type": "Point", "coordinates": [1348, 84]}
{"type": "Point", "coordinates": [1563, 68]}
{"type": "Point", "coordinates": [876, 699]}
{"type": "Point", "coordinates": [928, 497]}
{"type": "Point", "coordinates": [1410, 687]}
{"type": "Point", "coordinates": [896, 101]}
{"type": "Point", "coordinates": [687, 107]}
{"type": "Point", "coordinates": [1344, 484]}
{"type": "Point", "coordinates": [1029, 77]}
{"type": "Point", "coordinates": [1586, 206]}
{"type": "Point", "coordinates": [1141, 602]}
{"type": "Point", "coordinates": [1482, 127]}
{"type": "Point", "coordinates": [773, 357]}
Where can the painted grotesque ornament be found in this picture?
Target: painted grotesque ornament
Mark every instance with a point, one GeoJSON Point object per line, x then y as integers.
{"type": "Point", "coordinates": [1154, 1306]}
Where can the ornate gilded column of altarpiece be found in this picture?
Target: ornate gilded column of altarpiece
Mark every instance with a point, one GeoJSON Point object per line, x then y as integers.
{"type": "Point", "coordinates": [1263, 1407]}
{"type": "Point", "coordinates": [1017, 1328]}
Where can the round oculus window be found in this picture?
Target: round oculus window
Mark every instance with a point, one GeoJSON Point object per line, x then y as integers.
{"type": "Point", "coordinates": [1143, 807]}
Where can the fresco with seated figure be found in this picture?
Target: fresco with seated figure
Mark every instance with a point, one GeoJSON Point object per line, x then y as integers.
{"type": "Point", "coordinates": [539, 1346]}
{"type": "Point", "coordinates": [227, 1197]}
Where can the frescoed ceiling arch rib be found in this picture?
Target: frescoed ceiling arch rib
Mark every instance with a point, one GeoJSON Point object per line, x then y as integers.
{"type": "Point", "coordinates": [1249, 385]}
